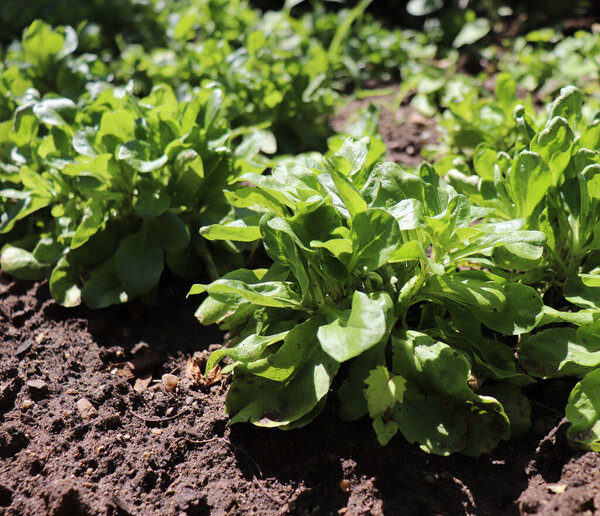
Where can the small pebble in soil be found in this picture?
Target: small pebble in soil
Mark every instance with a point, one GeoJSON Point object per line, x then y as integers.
{"type": "Point", "coordinates": [170, 381]}
{"type": "Point", "coordinates": [38, 389]}
{"type": "Point", "coordinates": [86, 409]}
{"type": "Point", "coordinates": [345, 485]}
{"type": "Point", "coordinates": [27, 404]}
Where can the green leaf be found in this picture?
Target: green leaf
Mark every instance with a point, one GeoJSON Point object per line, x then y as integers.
{"type": "Point", "coordinates": [358, 329]}
{"type": "Point", "coordinates": [151, 203]}
{"type": "Point", "coordinates": [522, 312]}
{"type": "Point", "coordinates": [529, 181]}
{"type": "Point", "coordinates": [103, 287]}
{"type": "Point", "coordinates": [172, 234]}
{"type": "Point", "coordinates": [467, 291]}
{"type": "Point", "coordinates": [471, 32]}
{"type": "Point", "coordinates": [48, 250]}
{"type": "Point", "coordinates": [21, 264]}
{"type": "Point", "coordinates": [409, 214]}
{"type": "Point", "coordinates": [64, 283]}
{"type": "Point", "coordinates": [583, 412]}
{"type": "Point", "coordinates": [138, 263]}
{"type": "Point", "coordinates": [91, 223]}
{"type": "Point", "coordinates": [576, 292]}
{"type": "Point", "coordinates": [423, 7]}
{"type": "Point", "coordinates": [248, 350]}
{"type": "Point", "coordinates": [375, 236]}
{"type": "Point", "coordinates": [384, 430]}
{"type": "Point", "coordinates": [238, 231]}
{"type": "Point", "coordinates": [559, 352]}
{"type": "Point", "coordinates": [411, 250]}
{"type": "Point", "coordinates": [567, 105]}
{"type": "Point", "coordinates": [554, 144]}
{"type": "Point", "coordinates": [53, 111]}
{"type": "Point", "coordinates": [279, 404]}
{"type": "Point", "coordinates": [383, 391]}
{"type": "Point", "coordinates": [270, 293]}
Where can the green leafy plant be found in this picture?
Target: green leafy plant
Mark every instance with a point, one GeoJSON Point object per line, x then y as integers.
{"type": "Point", "coordinates": [367, 286]}
{"type": "Point", "coordinates": [102, 194]}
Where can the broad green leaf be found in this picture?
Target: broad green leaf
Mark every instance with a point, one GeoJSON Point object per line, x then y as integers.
{"type": "Point", "coordinates": [238, 231]}
{"type": "Point", "coordinates": [554, 144]}
{"type": "Point", "coordinates": [432, 422]}
{"type": "Point", "coordinates": [278, 404]}
{"type": "Point", "coordinates": [529, 181]}
{"type": "Point", "coordinates": [411, 250]}
{"type": "Point", "coordinates": [583, 412]}
{"type": "Point", "coordinates": [358, 329]}
{"type": "Point", "coordinates": [271, 293]}
{"type": "Point", "coordinates": [383, 391]}
{"type": "Point", "coordinates": [567, 105]}
{"type": "Point", "coordinates": [21, 264]}
{"type": "Point", "coordinates": [384, 430]}
{"type": "Point", "coordinates": [409, 214]}
{"type": "Point", "coordinates": [151, 203]}
{"type": "Point", "coordinates": [64, 283]}
{"type": "Point", "coordinates": [521, 313]}
{"type": "Point", "coordinates": [576, 292]}
{"type": "Point", "coordinates": [246, 351]}
{"type": "Point", "coordinates": [559, 352]}
{"type": "Point", "coordinates": [53, 111]}
{"type": "Point", "coordinates": [471, 32]}
{"type": "Point", "coordinates": [103, 287]}
{"type": "Point", "coordinates": [48, 250]}
{"type": "Point", "coordinates": [591, 280]}
{"type": "Point", "coordinates": [348, 193]}
{"type": "Point", "coordinates": [467, 291]}
{"type": "Point", "coordinates": [290, 357]}
{"type": "Point", "coordinates": [93, 217]}
{"type": "Point", "coordinates": [375, 236]}
{"type": "Point", "coordinates": [172, 234]}
{"type": "Point", "coordinates": [138, 263]}
{"type": "Point", "coordinates": [515, 404]}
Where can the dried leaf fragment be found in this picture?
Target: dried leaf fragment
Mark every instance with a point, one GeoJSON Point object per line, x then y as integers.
{"type": "Point", "coordinates": [193, 370]}
{"type": "Point", "coordinates": [142, 383]}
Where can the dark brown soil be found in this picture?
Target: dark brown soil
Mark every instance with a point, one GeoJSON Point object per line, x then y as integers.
{"type": "Point", "coordinates": [405, 131]}
{"type": "Point", "coordinates": [158, 452]}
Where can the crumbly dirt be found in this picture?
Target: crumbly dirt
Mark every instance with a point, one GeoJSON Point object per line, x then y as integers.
{"type": "Point", "coordinates": [152, 452]}
{"type": "Point", "coordinates": [404, 130]}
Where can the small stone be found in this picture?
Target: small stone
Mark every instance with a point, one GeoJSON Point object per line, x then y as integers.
{"type": "Point", "coordinates": [557, 488]}
{"type": "Point", "coordinates": [27, 404]}
{"type": "Point", "coordinates": [170, 381]}
{"type": "Point", "coordinates": [38, 389]}
{"type": "Point", "coordinates": [156, 431]}
{"type": "Point", "coordinates": [86, 409]}
{"type": "Point", "coordinates": [345, 485]}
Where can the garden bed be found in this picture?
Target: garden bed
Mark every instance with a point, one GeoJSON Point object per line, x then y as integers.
{"type": "Point", "coordinates": [159, 452]}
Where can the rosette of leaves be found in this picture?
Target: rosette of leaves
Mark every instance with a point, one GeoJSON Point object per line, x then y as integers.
{"type": "Point", "coordinates": [551, 182]}
{"type": "Point", "coordinates": [274, 72]}
{"type": "Point", "coordinates": [45, 59]}
{"type": "Point", "coordinates": [549, 178]}
{"type": "Point", "coordinates": [370, 294]}
{"type": "Point", "coordinates": [103, 194]}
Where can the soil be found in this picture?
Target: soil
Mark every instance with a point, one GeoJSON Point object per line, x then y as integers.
{"type": "Point", "coordinates": [404, 130]}
{"type": "Point", "coordinates": [87, 425]}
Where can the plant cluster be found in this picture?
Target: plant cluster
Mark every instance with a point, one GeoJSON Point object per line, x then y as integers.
{"type": "Point", "coordinates": [427, 304]}
{"type": "Point", "coordinates": [428, 299]}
